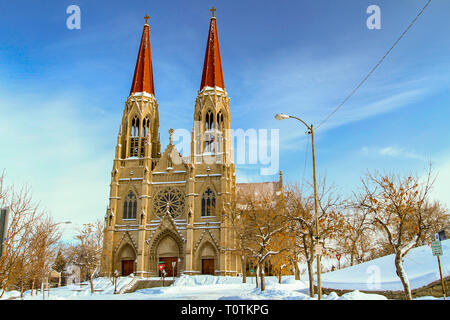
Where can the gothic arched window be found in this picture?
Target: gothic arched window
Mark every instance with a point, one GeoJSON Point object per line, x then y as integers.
{"type": "Point", "coordinates": [208, 203]}
{"type": "Point", "coordinates": [135, 127]}
{"type": "Point", "coordinates": [209, 135]}
{"type": "Point", "coordinates": [130, 206]}
{"type": "Point", "coordinates": [134, 139]}
{"type": "Point", "coordinates": [220, 131]}
{"type": "Point", "coordinates": [220, 121]}
{"type": "Point", "coordinates": [145, 133]}
{"type": "Point", "coordinates": [209, 121]}
{"type": "Point", "coordinates": [146, 126]}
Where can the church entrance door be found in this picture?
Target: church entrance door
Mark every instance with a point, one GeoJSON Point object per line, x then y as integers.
{"type": "Point", "coordinates": [168, 266]}
{"type": "Point", "coordinates": [127, 267]}
{"type": "Point", "coordinates": [208, 266]}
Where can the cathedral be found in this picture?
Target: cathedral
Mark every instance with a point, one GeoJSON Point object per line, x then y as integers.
{"type": "Point", "coordinates": [165, 208]}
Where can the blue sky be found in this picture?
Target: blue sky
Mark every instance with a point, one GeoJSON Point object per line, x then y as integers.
{"type": "Point", "coordinates": [62, 91]}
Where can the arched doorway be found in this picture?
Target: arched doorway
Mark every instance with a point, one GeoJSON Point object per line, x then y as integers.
{"type": "Point", "coordinates": [208, 258]}
{"type": "Point", "coordinates": [127, 259]}
{"type": "Point", "coordinates": [168, 253]}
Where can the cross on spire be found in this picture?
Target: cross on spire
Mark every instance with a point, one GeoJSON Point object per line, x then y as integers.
{"type": "Point", "coordinates": [213, 10]}
{"type": "Point", "coordinates": [146, 18]}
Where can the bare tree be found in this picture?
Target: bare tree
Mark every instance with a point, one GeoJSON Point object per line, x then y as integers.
{"type": "Point", "coordinates": [266, 224]}
{"type": "Point", "coordinates": [88, 251]}
{"type": "Point", "coordinates": [398, 209]}
{"type": "Point", "coordinates": [240, 230]}
{"type": "Point", "coordinates": [357, 239]}
{"type": "Point", "coordinates": [16, 248]}
{"type": "Point", "coordinates": [302, 223]}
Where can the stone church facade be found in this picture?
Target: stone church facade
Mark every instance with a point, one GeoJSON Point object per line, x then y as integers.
{"type": "Point", "coordinates": [163, 207]}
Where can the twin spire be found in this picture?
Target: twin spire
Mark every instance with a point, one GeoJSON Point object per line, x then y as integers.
{"type": "Point", "coordinates": [212, 67]}
{"type": "Point", "coordinates": [143, 73]}
{"type": "Point", "coordinates": [212, 75]}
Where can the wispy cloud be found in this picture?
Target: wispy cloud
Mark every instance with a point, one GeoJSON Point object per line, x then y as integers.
{"type": "Point", "coordinates": [311, 87]}
{"type": "Point", "coordinates": [391, 152]}
{"type": "Point", "coordinates": [62, 153]}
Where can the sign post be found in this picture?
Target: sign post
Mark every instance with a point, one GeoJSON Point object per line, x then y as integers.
{"type": "Point", "coordinates": [436, 248]}
{"type": "Point", "coordinates": [338, 256]}
{"type": "Point", "coordinates": [174, 263]}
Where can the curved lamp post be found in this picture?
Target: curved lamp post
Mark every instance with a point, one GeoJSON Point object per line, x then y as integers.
{"type": "Point", "coordinates": [281, 116]}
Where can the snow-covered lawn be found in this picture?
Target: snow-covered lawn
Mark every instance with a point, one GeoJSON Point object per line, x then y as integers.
{"type": "Point", "coordinates": [375, 275]}
{"type": "Point", "coordinates": [379, 274]}
{"type": "Point", "coordinates": [199, 288]}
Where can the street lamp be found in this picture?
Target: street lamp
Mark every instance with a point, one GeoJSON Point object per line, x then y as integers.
{"type": "Point", "coordinates": [281, 116]}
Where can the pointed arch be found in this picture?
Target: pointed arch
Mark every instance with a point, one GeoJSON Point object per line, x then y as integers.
{"type": "Point", "coordinates": [134, 136]}
{"type": "Point", "coordinates": [126, 259]}
{"type": "Point", "coordinates": [209, 131]}
{"type": "Point", "coordinates": [145, 134]}
{"type": "Point", "coordinates": [158, 239]}
{"type": "Point", "coordinates": [129, 206]}
{"type": "Point", "coordinates": [208, 202]}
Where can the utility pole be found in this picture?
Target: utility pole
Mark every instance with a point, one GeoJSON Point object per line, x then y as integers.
{"type": "Point", "coordinates": [317, 248]}
{"type": "Point", "coordinates": [316, 208]}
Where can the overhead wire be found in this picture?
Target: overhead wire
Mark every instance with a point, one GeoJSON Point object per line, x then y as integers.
{"type": "Point", "coordinates": [375, 67]}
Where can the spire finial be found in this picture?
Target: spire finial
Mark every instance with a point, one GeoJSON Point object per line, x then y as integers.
{"type": "Point", "coordinates": [171, 131]}
{"type": "Point", "coordinates": [213, 10]}
{"type": "Point", "coordinates": [146, 18]}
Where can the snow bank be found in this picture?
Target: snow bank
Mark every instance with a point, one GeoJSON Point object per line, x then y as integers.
{"type": "Point", "coordinates": [379, 274]}
{"type": "Point", "coordinates": [206, 280]}
{"type": "Point", "coordinates": [202, 280]}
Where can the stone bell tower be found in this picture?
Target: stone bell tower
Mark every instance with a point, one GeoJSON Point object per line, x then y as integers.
{"type": "Point", "coordinates": [138, 149]}
{"type": "Point", "coordinates": [211, 152]}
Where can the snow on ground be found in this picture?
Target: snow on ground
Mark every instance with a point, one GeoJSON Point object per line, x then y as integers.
{"type": "Point", "coordinates": [379, 274]}
{"type": "Point", "coordinates": [202, 287]}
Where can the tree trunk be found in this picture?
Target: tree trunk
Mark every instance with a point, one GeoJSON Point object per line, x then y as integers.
{"type": "Point", "coordinates": [263, 281]}
{"type": "Point", "coordinates": [257, 275]}
{"type": "Point", "coordinates": [32, 286]}
{"type": "Point", "coordinates": [297, 271]}
{"type": "Point", "coordinates": [91, 280]}
{"type": "Point", "coordinates": [403, 277]}
{"type": "Point", "coordinates": [4, 288]}
{"type": "Point", "coordinates": [21, 290]}
{"type": "Point", "coordinates": [311, 277]}
{"type": "Point", "coordinates": [279, 277]}
{"type": "Point", "coordinates": [244, 269]}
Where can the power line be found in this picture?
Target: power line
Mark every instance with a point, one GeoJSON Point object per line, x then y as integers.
{"type": "Point", "coordinates": [375, 67]}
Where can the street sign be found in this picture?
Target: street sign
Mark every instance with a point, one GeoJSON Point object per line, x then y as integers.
{"type": "Point", "coordinates": [318, 249]}
{"type": "Point", "coordinates": [436, 248]}
{"type": "Point", "coordinates": [338, 256]}
{"type": "Point", "coordinates": [251, 271]}
{"type": "Point", "coordinates": [161, 267]}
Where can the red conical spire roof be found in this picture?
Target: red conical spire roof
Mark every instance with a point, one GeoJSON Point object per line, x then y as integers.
{"type": "Point", "coordinates": [143, 73]}
{"type": "Point", "coordinates": [212, 67]}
